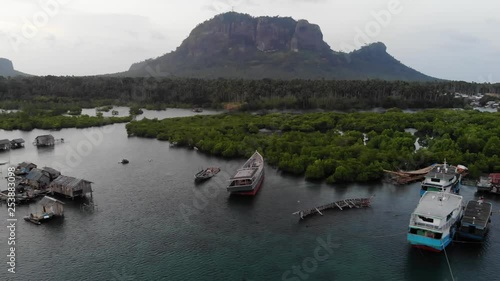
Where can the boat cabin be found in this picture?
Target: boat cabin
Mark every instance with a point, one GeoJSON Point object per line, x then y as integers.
{"type": "Point", "coordinates": [441, 178]}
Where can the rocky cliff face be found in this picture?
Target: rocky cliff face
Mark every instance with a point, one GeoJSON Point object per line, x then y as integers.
{"type": "Point", "coordinates": [6, 66]}
{"type": "Point", "coordinates": [234, 45]}
{"type": "Point", "coordinates": [7, 69]}
{"type": "Point", "coordinates": [267, 34]}
{"type": "Point", "coordinates": [308, 37]}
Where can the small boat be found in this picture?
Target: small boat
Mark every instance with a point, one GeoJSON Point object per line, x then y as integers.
{"type": "Point", "coordinates": [206, 174]}
{"type": "Point", "coordinates": [38, 219]}
{"type": "Point", "coordinates": [248, 179]}
{"type": "Point", "coordinates": [124, 161]}
{"type": "Point", "coordinates": [197, 110]}
{"type": "Point", "coordinates": [484, 184]}
{"type": "Point", "coordinates": [476, 221]}
{"type": "Point", "coordinates": [489, 183]}
{"type": "Point", "coordinates": [442, 177]}
{"type": "Point", "coordinates": [435, 221]}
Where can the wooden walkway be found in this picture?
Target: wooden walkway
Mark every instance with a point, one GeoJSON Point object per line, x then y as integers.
{"type": "Point", "coordinates": [341, 204]}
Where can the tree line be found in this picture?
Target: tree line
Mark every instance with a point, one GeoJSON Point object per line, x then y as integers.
{"type": "Point", "coordinates": [340, 147]}
{"type": "Point", "coordinates": [157, 93]}
{"type": "Point", "coordinates": [50, 120]}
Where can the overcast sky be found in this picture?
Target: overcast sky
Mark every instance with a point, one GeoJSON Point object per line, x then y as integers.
{"type": "Point", "coordinates": [449, 39]}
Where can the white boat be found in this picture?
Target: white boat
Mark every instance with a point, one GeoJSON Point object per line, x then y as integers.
{"type": "Point", "coordinates": [442, 177]}
{"type": "Point", "coordinates": [248, 179]}
{"type": "Point", "coordinates": [435, 221]}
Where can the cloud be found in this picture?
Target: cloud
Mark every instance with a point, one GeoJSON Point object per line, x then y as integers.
{"type": "Point", "coordinates": [462, 37]}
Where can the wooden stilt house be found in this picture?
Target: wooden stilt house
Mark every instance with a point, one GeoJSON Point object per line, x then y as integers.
{"type": "Point", "coordinates": [44, 140]}
{"type": "Point", "coordinates": [37, 178]}
{"type": "Point", "coordinates": [17, 143]}
{"type": "Point", "coordinates": [70, 186]}
{"type": "Point", "coordinates": [24, 168]}
{"type": "Point", "coordinates": [4, 144]}
{"type": "Point", "coordinates": [51, 208]}
{"type": "Point", "coordinates": [53, 173]}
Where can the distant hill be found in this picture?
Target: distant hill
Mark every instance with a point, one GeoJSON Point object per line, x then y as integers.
{"type": "Point", "coordinates": [234, 45]}
{"type": "Point", "coordinates": [7, 69]}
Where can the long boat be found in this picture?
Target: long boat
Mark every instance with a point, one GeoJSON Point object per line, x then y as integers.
{"type": "Point", "coordinates": [443, 178]}
{"type": "Point", "coordinates": [434, 222]}
{"type": "Point", "coordinates": [476, 221]}
{"type": "Point", "coordinates": [248, 179]}
{"type": "Point", "coordinates": [206, 174]}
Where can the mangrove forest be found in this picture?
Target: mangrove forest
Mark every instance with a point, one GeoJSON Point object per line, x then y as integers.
{"type": "Point", "coordinates": [341, 147]}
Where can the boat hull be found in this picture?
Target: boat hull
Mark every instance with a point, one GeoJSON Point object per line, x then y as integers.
{"type": "Point", "coordinates": [250, 192]}
{"type": "Point", "coordinates": [248, 179]}
{"type": "Point", "coordinates": [427, 243]}
{"type": "Point", "coordinates": [471, 236]}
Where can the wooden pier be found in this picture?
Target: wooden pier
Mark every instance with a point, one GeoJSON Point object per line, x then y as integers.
{"type": "Point", "coordinates": [341, 204]}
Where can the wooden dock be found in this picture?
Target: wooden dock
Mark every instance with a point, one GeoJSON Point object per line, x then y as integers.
{"type": "Point", "coordinates": [341, 204]}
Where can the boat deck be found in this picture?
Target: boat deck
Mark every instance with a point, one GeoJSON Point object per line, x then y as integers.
{"type": "Point", "coordinates": [477, 213]}
{"type": "Point", "coordinates": [437, 205]}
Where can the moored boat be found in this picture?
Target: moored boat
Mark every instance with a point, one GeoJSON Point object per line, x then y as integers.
{"type": "Point", "coordinates": [206, 174]}
{"type": "Point", "coordinates": [476, 220]}
{"type": "Point", "coordinates": [489, 183]}
{"type": "Point", "coordinates": [434, 222]}
{"type": "Point", "coordinates": [248, 179]}
{"type": "Point", "coordinates": [484, 184]}
{"type": "Point", "coordinates": [443, 178]}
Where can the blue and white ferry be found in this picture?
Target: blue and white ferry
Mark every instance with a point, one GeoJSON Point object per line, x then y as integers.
{"type": "Point", "coordinates": [434, 222]}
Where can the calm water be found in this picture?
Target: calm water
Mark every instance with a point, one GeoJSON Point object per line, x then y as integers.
{"type": "Point", "coordinates": [154, 223]}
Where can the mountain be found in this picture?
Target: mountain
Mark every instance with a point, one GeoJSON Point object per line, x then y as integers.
{"type": "Point", "coordinates": [234, 45]}
{"type": "Point", "coordinates": [7, 69]}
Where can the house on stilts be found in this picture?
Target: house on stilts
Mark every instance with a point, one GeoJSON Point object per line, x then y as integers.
{"type": "Point", "coordinates": [53, 173]}
{"type": "Point", "coordinates": [17, 143]}
{"type": "Point", "coordinates": [44, 140]}
{"type": "Point", "coordinates": [38, 179]}
{"type": "Point", "coordinates": [4, 144]}
{"type": "Point", "coordinates": [51, 208]}
{"type": "Point", "coordinates": [24, 168]}
{"type": "Point", "coordinates": [70, 187]}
